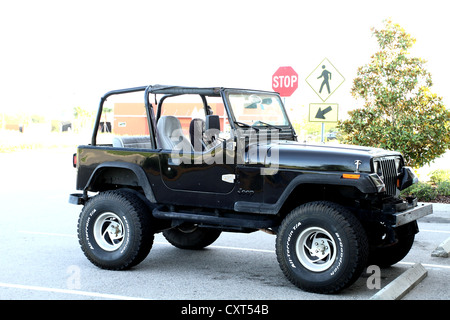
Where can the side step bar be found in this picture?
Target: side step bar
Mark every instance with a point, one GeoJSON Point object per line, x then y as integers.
{"type": "Point", "coordinates": [239, 221]}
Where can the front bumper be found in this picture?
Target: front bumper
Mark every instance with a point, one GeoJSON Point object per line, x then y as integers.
{"type": "Point", "coordinates": [406, 212]}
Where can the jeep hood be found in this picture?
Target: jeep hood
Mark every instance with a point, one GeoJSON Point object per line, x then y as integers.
{"type": "Point", "coordinates": [316, 157]}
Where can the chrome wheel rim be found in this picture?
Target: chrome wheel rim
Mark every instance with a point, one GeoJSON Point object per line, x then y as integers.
{"type": "Point", "coordinates": [109, 231]}
{"type": "Point", "coordinates": [316, 249]}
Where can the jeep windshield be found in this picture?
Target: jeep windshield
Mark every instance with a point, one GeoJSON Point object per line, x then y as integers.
{"type": "Point", "coordinates": [257, 109]}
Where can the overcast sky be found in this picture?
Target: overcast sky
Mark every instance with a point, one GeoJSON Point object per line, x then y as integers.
{"type": "Point", "coordinates": [56, 55]}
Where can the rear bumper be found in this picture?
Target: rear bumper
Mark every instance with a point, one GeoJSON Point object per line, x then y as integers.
{"type": "Point", "coordinates": [77, 198]}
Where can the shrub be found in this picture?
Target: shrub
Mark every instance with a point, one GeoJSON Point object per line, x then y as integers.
{"type": "Point", "coordinates": [438, 176]}
{"type": "Point", "coordinates": [443, 188]}
{"type": "Point", "coordinates": [423, 191]}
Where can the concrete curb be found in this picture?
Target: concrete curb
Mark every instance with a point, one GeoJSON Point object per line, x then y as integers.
{"type": "Point", "coordinates": [401, 285]}
{"type": "Point", "coordinates": [443, 250]}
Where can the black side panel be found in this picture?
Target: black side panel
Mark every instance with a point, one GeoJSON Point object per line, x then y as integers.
{"type": "Point", "coordinates": [95, 161]}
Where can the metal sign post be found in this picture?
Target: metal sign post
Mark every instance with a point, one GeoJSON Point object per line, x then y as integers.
{"type": "Point", "coordinates": [323, 112]}
{"type": "Point", "coordinates": [325, 79]}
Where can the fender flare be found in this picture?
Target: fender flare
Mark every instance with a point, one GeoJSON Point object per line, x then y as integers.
{"type": "Point", "coordinates": [364, 184]}
{"type": "Point", "coordinates": [136, 169]}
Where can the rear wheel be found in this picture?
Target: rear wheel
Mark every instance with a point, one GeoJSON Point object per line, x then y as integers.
{"type": "Point", "coordinates": [190, 236]}
{"type": "Point", "coordinates": [321, 247]}
{"type": "Point", "coordinates": [114, 230]}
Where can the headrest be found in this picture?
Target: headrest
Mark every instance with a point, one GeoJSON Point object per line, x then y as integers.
{"type": "Point", "coordinates": [212, 122]}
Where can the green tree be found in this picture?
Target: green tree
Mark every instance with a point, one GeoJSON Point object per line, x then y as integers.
{"type": "Point", "coordinates": [82, 118]}
{"type": "Point", "coordinates": [400, 112]}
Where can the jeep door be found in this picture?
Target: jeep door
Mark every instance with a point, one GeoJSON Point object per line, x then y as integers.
{"type": "Point", "coordinates": [198, 171]}
{"type": "Point", "coordinates": [208, 171]}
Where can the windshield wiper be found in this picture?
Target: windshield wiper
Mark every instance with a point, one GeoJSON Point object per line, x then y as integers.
{"type": "Point", "coordinates": [241, 124]}
{"type": "Point", "coordinates": [266, 124]}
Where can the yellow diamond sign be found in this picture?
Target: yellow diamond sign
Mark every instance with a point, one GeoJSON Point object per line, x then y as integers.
{"type": "Point", "coordinates": [325, 79]}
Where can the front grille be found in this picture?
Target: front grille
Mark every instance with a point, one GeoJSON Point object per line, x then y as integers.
{"type": "Point", "coordinates": [389, 174]}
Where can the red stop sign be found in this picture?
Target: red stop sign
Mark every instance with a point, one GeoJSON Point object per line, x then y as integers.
{"type": "Point", "coordinates": [285, 81]}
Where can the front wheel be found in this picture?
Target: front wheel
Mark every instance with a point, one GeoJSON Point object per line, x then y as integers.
{"type": "Point", "coordinates": [321, 247]}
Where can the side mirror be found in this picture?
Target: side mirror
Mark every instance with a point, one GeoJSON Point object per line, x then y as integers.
{"type": "Point", "coordinates": [407, 178]}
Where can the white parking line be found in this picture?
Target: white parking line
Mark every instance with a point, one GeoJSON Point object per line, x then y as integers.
{"type": "Point", "coordinates": [242, 249]}
{"type": "Point", "coordinates": [225, 247]}
{"type": "Point", "coordinates": [436, 231]}
{"type": "Point", "coordinates": [273, 252]}
{"type": "Point", "coordinates": [74, 236]}
{"type": "Point", "coordinates": [49, 234]}
{"type": "Point", "coordinates": [68, 291]}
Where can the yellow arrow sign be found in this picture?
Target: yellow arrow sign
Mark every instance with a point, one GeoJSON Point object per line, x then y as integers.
{"type": "Point", "coordinates": [323, 112]}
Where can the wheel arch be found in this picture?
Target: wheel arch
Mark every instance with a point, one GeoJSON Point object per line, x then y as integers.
{"type": "Point", "coordinates": [309, 192]}
{"type": "Point", "coordinates": [115, 175]}
{"type": "Point", "coordinates": [309, 187]}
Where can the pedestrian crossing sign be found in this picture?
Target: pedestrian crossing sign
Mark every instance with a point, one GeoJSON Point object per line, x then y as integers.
{"type": "Point", "coordinates": [325, 79]}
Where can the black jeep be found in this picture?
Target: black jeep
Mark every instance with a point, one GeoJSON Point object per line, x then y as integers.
{"type": "Point", "coordinates": [234, 164]}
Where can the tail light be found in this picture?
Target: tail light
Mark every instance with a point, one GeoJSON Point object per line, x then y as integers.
{"type": "Point", "coordinates": [74, 160]}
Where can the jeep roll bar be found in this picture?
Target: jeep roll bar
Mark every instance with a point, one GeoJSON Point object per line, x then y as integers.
{"type": "Point", "coordinates": [167, 91]}
{"type": "Point", "coordinates": [100, 108]}
{"type": "Point", "coordinates": [155, 89]}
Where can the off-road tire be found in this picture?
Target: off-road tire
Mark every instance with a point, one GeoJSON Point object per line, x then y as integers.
{"type": "Point", "coordinates": [114, 230]}
{"type": "Point", "coordinates": [385, 256]}
{"type": "Point", "coordinates": [321, 247]}
{"type": "Point", "coordinates": [191, 237]}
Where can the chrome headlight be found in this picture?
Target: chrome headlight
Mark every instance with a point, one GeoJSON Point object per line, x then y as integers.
{"type": "Point", "coordinates": [377, 168]}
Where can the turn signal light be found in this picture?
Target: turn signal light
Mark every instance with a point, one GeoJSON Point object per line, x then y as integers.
{"type": "Point", "coordinates": [351, 176]}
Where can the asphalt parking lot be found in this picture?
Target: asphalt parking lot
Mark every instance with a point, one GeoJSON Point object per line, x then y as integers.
{"type": "Point", "coordinates": [41, 258]}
